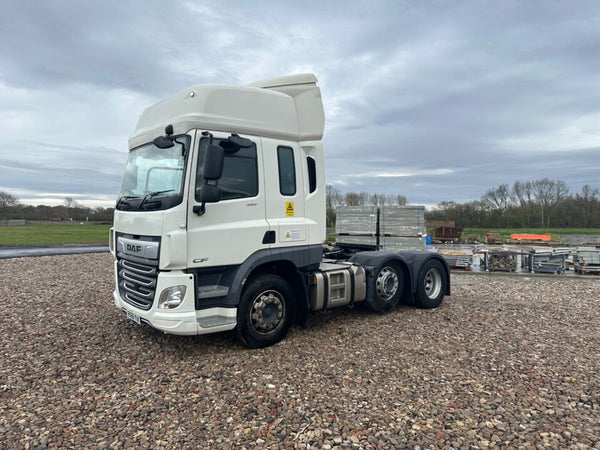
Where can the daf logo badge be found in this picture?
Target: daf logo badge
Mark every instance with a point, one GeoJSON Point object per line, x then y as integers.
{"type": "Point", "coordinates": [134, 248]}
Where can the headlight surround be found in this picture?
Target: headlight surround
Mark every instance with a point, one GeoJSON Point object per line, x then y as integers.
{"type": "Point", "coordinates": [171, 297]}
{"type": "Point", "coordinates": [111, 240]}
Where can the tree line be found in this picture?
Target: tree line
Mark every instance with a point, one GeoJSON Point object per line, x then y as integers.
{"type": "Point", "coordinates": [540, 203]}
{"type": "Point", "coordinates": [69, 210]}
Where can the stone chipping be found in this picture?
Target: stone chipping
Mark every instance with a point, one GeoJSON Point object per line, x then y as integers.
{"type": "Point", "coordinates": [505, 362]}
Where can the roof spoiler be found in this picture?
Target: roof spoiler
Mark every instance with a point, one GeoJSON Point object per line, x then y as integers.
{"type": "Point", "coordinates": [303, 89]}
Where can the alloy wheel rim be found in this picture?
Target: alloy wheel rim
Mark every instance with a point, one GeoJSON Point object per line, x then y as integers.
{"type": "Point", "coordinates": [267, 311]}
{"type": "Point", "coordinates": [387, 283]}
{"type": "Point", "coordinates": [433, 283]}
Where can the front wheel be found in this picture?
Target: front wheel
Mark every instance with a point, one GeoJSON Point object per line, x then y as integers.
{"type": "Point", "coordinates": [266, 311]}
{"type": "Point", "coordinates": [432, 284]}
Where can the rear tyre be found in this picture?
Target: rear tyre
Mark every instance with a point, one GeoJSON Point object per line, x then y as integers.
{"type": "Point", "coordinates": [266, 311]}
{"type": "Point", "coordinates": [388, 288]}
{"type": "Point", "coordinates": [431, 285]}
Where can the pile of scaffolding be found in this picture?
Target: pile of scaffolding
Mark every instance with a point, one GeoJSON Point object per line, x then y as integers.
{"type": "Point", "coordinates": [385, 227]}
{"type": "Point", "coordinates": [553, 261]}
{"type": "Point", "coordinates": [586, 260]}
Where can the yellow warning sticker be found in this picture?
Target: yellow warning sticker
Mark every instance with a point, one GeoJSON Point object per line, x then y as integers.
{"type": "Point", "coordinates": [292, 235]}
{"type": "Point", "coordinates": [289, 209]}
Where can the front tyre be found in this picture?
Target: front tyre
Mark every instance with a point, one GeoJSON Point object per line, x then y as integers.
{"type": "Point", "coordinates": [432, 285]}
{"type": "Point", "coordinates": [266, 311]}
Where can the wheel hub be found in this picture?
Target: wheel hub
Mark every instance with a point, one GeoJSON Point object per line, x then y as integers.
{"type": "Point", "coordinates": [387, 283]}
{"type": "Point", "coordinates": [433, 283]}
{"type": "Point", "coordinates": [267, 312]}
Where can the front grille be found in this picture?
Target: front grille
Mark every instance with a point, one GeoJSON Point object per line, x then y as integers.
{"type": "Point", "coordinates": [137, 282]}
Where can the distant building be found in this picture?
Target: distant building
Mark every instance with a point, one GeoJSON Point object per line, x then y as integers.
{"type": "Point", "coordinates": [441, 223]}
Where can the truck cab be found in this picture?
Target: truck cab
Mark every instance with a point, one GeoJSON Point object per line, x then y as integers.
{"type": "Point", "coordinates": [221, 215]}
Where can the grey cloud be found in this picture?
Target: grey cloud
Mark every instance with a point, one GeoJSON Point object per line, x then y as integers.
{"type": "Point", "coordinates": [482, 88]}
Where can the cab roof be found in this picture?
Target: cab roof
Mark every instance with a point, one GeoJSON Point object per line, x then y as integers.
{"type": "Point", "coordinates": [288, 108]}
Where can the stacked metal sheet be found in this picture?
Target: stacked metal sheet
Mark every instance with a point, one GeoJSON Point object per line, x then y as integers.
{"type": "Point", "coordinates": [356, 225]}
{"type": "Point", "coordinates": [461, 260]}
{"type": "Point", "coordinates": [581, 239]}
{"type": "Point", "coordinates": [402, 227]}
{"type": "Point", "coordinates": [395, 243]}
{"type": "Point", "coordinates": [388, 227]}
{"type": "Point", "coordinates": [587, 260]}
{"type": "Point", "coordinates": [548, 261]}
{"type": "Point", "coordinates": [406, 221]}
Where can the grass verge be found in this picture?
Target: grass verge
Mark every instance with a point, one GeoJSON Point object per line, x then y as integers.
{"type": "Point", "coordinates": [53, 234]}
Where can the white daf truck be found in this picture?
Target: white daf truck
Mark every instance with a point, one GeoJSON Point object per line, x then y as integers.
{"type": "Point", "coordinates": [220, 221]}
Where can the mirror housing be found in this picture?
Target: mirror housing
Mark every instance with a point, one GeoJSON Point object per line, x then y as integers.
{"type": "Point", "coordinates": [214, 159]}
{"type": "Point", "coordinates": [165, 141]}
{"type": "Point", "coordinates": [211, 193]}
{"type": "Point", "coordinates": [213, 163]}
{"type": "Point", "coordinates": [234, 143]}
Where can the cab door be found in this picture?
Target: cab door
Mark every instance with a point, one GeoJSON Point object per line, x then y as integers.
{"type": "Point", "coordinates": [232, 229]}
{"type": "Point", "coordinates": [284, 182]}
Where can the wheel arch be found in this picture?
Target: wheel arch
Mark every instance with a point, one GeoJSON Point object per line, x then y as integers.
{"type": "Point", "coordinates": [411, 263]}
{"type": "Point", "coordinates": [290, 263]}
{"type": "Point", "coordinates": [287, 270]}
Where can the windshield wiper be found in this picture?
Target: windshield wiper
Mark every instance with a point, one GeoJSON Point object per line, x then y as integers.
{"type": "Point", "coordinates": [149, 195]}
{"type": "Point", "coordinates": [123, 200]}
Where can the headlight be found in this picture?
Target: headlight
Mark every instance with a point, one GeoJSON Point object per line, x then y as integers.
{"type": "Point", "coordinates": [171, 297]}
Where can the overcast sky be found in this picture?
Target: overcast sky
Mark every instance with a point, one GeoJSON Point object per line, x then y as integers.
{"type": "Point", "coordinates": [435, 100]}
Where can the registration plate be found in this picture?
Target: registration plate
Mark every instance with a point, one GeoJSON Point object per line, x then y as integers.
{"type": "Point", "coordinates": [134, 317]}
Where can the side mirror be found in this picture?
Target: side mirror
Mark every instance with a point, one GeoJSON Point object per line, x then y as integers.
{"type": "Point", "coordinates": [213, 163]}
{"type": "Point", "coordinates": [165, 141]}
{"type": "Point", "coordinates": [234, 143]}
{"type": "Point", "coordinates": [211, 193]}
{"type": "Point", "coordinates": [213, 170]}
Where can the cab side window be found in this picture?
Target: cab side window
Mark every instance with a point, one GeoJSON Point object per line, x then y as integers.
{"type": "Point", "coordinates": [287, 171]}
{"type": "Point", "coordinates": [240, 172]}
{"type": "Point", "coordinates": [312, 173]}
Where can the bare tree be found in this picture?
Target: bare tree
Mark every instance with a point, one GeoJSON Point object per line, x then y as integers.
{"type": "Point", "coordinates": [70, 203]}
{"type": "Point", "coordinates": [498, 200]}
{"type": "Point", "coordinates": [356, 198]}
{"type": "Point", "coordinates": [588, 198]}
{"type": "Point", "coordinates": [547, 194]}
{"type": "Point", "coordinates": [7, 201]}
{"type": "Point", "coordinates": [333, 200]}
{"type": "Point", "coordinates": [522, 196]}
{"type": "Point", "coordinates": [400, 200]}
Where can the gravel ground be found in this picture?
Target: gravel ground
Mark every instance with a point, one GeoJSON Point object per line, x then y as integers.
{"type": "Point", "coordinates": [505, 362]}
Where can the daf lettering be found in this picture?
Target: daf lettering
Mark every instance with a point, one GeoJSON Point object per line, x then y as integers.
{"type": "Point", "coordinates": [134, 248]}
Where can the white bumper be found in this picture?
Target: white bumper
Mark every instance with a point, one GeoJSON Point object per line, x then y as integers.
{"type": "Point", "coordinates": [184, 319]}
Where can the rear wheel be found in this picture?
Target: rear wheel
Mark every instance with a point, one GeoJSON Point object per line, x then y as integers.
{"type": "Point", "coordinates": [266, 311]}
{"type": "Point", "coordinates": [431, 285]}
{"type": "Point", "coordinates": [389, 285]}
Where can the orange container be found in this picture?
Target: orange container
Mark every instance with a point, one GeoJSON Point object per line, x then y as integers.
{"type": "Point", "coordinates": [531, 237]}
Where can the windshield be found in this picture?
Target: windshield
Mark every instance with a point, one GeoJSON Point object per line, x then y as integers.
{"type": "Point", "coordinates": [154, 176]}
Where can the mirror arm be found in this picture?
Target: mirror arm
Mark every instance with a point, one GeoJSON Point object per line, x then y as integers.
{"type": "Point", "coordinates": [199, 209]}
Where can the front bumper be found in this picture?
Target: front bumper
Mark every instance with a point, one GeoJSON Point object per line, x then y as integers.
{"type": "Point", "coordinates": [183, 320]}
